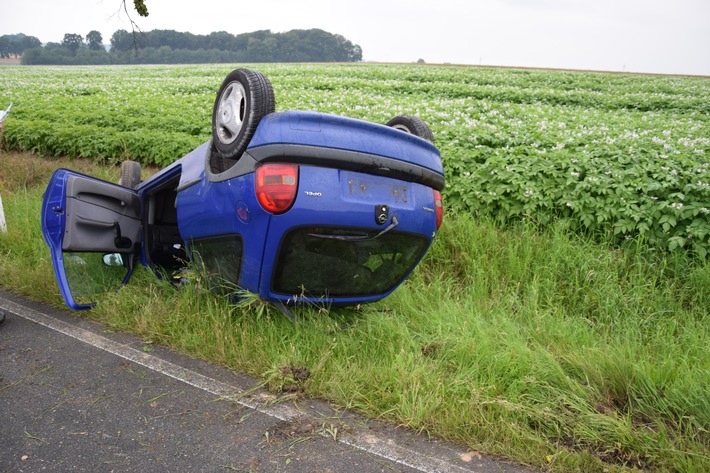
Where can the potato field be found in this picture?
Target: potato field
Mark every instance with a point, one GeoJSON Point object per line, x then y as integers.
{"type": "Point", "coordinates": [624, 156]}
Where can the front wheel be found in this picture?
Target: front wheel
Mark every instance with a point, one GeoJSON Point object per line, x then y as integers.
{"type": "Point", "coordinates": [130, 174]}
{"type": "Point", "coordinates": [243, 99]}
{"type": "Point", "coordinates": [413, 125]}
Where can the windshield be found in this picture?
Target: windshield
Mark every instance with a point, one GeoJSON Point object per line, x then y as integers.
{"type": "Point", "coordinates": [344, 262]}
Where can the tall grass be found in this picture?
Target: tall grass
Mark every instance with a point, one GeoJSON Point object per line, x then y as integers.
{"type": "Point", "coordinates": [538, 345]}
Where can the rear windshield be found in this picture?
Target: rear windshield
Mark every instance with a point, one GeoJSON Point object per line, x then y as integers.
{"type": "Point", "coordinates": [342, 262]}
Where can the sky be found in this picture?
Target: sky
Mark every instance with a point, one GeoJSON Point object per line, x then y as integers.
{"type": "Point", "coordinates": [656, 36]}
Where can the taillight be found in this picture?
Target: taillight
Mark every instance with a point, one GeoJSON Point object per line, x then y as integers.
{"type": "Point", "coordinates": [276, 186]}
{"type": "Point", "coordinates": [439, 207]}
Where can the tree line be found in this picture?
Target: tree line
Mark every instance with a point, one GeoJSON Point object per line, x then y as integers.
{"type": "Point", "coordinates": [173, 47]}
{"type": "Point", "coordinates": [13, 45]}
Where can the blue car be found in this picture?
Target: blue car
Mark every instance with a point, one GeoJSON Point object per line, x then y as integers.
{"type": "Point", "coordinates": [294, 206]}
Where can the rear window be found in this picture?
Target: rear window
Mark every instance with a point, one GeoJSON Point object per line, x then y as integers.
{"type": "Point", "coordinates": [344, 262]}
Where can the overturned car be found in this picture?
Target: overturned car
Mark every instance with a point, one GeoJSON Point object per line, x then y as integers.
{"type": "Point", "coordinates": [294, 206]}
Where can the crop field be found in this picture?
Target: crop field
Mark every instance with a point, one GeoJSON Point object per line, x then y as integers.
{"type": "Point", "coordinates": [622, 156]}
{"type": "Point", "coordinates": [561, 317]}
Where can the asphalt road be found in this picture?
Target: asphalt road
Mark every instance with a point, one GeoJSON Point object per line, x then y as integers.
{"type": "Point", "coordinates": [77, 397]}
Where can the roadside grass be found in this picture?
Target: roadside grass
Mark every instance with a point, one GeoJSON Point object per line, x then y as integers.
{"type": "Point", "coordinates": [537, 345]}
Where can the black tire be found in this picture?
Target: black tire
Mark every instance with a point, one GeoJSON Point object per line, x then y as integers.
{"type": "Point", "coordinates": [413, 125]}
{"type": "Point", "coordinates": [130, 174]}
{"type": "Point", "coordinates": [243, 99]}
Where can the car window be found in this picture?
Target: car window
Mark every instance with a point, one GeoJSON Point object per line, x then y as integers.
{"type": "Point", "coordinates": [218, 260]}
{"type": "Point", "coordinates": [91, 274]}
{"type": "Point", "coordinates": [342, 262]}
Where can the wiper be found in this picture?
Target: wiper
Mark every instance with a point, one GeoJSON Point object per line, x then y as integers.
{"type": "Point", "coordinates": [389, 227]}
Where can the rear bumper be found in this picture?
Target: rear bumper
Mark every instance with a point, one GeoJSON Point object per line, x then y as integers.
{"type": "Point", "coordinates": [331, 141]}
{"type": "Point", "coordinates": [348, 160]}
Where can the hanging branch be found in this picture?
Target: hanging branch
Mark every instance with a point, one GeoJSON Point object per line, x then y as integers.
{"type": "Point", "coordinates": [142, 10]}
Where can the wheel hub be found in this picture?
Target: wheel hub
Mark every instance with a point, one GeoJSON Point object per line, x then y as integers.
{"type": "Point", "coordinates": [230, 117]}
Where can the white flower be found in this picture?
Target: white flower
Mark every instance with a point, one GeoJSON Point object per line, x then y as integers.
{"type": "Point", "coordinates": [677, 206]}
{"type": "Point", "coordinates": [574, 174]}
{"type": "Point", "coordinates": [569, 204]}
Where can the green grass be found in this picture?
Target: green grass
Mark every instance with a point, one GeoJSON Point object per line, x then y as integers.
{"type": "Point", "coordinates": [534, 344]}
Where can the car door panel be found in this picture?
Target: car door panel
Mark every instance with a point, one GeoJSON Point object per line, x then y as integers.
{"type": "Point", "coordinates": [100, 216]}
{"type": "Point", "coordinates": [93, 229]}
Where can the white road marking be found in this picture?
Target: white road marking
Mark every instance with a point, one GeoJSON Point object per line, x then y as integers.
{"type": "Point", "coordinates": [356, 437]}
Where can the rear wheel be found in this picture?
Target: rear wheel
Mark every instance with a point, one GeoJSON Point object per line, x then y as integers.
{"type": "Point", "coordinates": [130, 174]}
{"type": "Point", "coordinates": [413, 125]}
{"type": "Point", "coordinates": [243, 99]}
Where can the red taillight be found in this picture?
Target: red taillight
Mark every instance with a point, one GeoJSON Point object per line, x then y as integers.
{"type": "Point", "coordinates": [439, 207]}
{"type": "Point", "coordinates": [276, 186]}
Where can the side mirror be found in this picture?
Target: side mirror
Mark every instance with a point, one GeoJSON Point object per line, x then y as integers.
{"type": "Point", "coordinates": [113, 259]}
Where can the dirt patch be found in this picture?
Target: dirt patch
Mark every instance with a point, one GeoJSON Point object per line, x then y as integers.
{"type": "Point", "coordinates": [22, 170]}
{"type": "Point", "coordinates": [294, 428]}
{"type": "Point", "coordinates": [293, 378]}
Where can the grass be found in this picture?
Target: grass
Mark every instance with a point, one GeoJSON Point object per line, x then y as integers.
{"type": "Point", "coordinates": [538, 345]}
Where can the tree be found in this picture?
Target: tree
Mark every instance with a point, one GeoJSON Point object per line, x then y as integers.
{"type": "Point", "coordinates": [219, 40]}
{"type": "Point", "coordinates": [73, 42]}
{"type": "Point", "coordinates": [261, 50]}
{"type": "Point", "coordinates": [94, 40]}
{"type": "Point", "coordinates": [4, 47]}
{"type": "Point", "coordinates": [121, 40]}
{"type": "Point", "coordinates": [16, 44]}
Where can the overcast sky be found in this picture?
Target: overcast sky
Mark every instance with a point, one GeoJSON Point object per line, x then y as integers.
{"type": "Point", "coordinates": [664, 36]}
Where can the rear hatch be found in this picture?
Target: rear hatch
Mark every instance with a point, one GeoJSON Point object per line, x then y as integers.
{"type": "Point", "coordinates": [349, 237]}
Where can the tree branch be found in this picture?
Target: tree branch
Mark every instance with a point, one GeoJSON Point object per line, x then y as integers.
{"type": "Point", "coordinates": [142, 10]}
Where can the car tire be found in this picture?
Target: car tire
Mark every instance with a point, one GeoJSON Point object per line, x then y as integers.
{"type": "Point", "coordinates": [130, 174]}
{"type": "Point", "coordinates": [243, 99]}
{"type": "Point", "coordinates": [413, 125]}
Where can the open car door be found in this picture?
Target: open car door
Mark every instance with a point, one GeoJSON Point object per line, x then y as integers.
{"type": "Point", "coordinates": [92, 228]}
